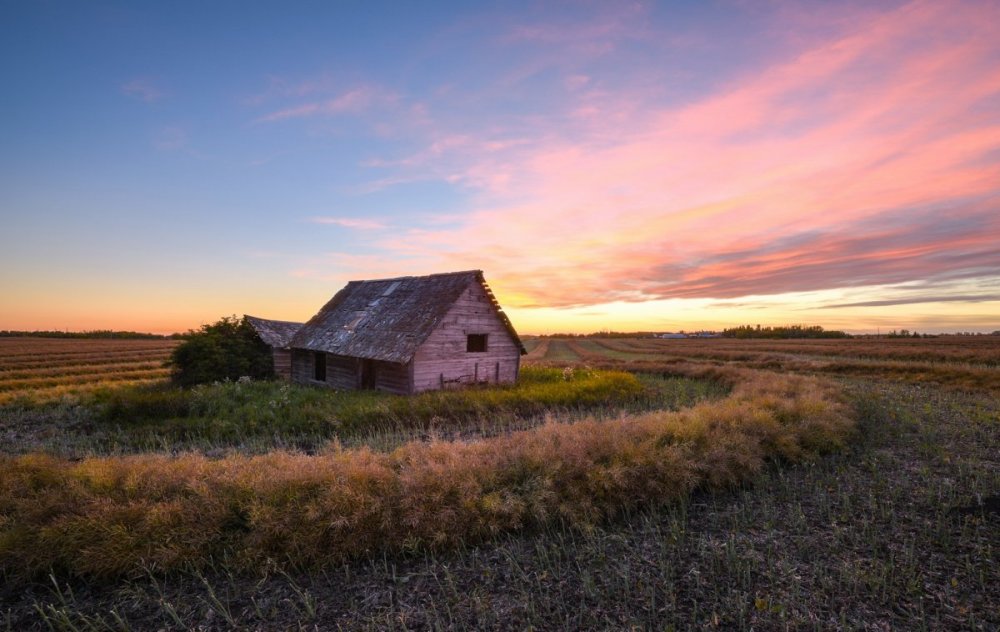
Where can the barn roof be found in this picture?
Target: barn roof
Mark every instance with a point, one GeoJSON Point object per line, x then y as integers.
{"type": "Point", "coordinates": [388, 319]}
{"type": "Point", "coordinates": [275, 333]}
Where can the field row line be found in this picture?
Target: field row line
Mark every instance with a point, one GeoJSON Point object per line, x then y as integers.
{"type": "Point", "coordinates": [33, 383]}
{"type": "Point", "coordinates": [8, 349]}
{"type": "Point", "coordinates": [42, 361]}
{"type": "Point", "coordinates": [77, 353]}
{"type": "Point", "coordinates": [77, 369]}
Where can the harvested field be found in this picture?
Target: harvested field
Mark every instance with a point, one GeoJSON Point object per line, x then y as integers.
{"type": "Point", "coordinates": [46, 369]}
{"type": "Point", "coordinates": [961, 362]}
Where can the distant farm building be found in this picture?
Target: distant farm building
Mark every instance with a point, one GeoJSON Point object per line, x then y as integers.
{"type": "Point", "coordinates": [405, 335]}
{"type": "Point", "coordinates": [277, 334]}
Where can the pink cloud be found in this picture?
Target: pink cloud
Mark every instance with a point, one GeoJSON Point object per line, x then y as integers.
{"type": "Point", "coordinates": [350, 222]}
{"type": "Point", "coordinates": [765, 186]}
{"type": "Point", "coordinates": [575, 82]}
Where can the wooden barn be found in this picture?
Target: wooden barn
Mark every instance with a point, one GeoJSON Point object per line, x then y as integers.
{"type": "Point", "coordinates": [407, 335]}
{"type": "Point", "coordinates": [277, 334]}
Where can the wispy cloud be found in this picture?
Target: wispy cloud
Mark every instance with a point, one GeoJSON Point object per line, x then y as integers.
{"type": "Point", "coordinates": [142, 89]}
{"type": "Point", "coordinates": [930, 298]}
{"type": "Point", "coordinates": [354, 101]}
{"type": "Point", "coordinates": [350, 222]}
{"type": "Point", "coordinates": [599, 32]}
{"type": "Point", "coordinates": [170, 138]}
{"type": "Point", "coordinates": [285, 88]}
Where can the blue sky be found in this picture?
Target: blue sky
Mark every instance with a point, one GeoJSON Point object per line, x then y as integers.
{"type": "Point", "coordinates": [608, 165]}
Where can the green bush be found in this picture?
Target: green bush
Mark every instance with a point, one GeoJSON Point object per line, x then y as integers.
{"type": "Point", "coordinates": [225, 350]}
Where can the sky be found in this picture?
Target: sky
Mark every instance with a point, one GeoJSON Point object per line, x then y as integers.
{"type": "Point", "coordinates": [655, 166]}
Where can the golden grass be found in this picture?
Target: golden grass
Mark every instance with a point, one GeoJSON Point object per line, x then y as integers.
{"type": "Point", "coordinates": [41, 395]}
{"type": "Point", "coordinates": [105, 517]}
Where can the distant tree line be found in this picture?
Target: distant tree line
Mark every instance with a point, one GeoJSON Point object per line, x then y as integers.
{"type": "Point", "coordinates": [97, 333]}
{"type": "Point", "coordinates": [789, 331]}
{"type": "Point", "coordinates": [598, 334]}
{"type": "Point", "coordinates": [904, 333]}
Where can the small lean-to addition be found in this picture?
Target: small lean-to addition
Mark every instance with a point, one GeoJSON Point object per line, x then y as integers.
{"type": "Point", "coordinates": [407, 335]}
{"type": "Point", "coordinates": [277, 334]}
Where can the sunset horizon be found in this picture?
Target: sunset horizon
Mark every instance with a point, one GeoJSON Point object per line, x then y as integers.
{"type": "Point", "coordinates": [640, 167]}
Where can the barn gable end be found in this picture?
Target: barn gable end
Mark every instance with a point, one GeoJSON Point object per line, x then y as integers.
{"type": "Point", "coordinates": [471, 344]}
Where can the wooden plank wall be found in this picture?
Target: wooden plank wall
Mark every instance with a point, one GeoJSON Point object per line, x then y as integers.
{"type": "Point", "coordinates": [442, 360]}
{"type": "Point", "coordinates": [302, 366]}
{"type": "Point", "coordinates": [282, 363]}
{"type": "Point", "coordinates": [392, 377]}
{"type": "Point", "coordinates": [341, 371]}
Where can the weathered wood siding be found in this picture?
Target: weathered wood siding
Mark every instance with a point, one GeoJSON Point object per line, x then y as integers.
{"type": "Point", "coordinates": [442, 360]}
{"type": "Point", "coordinates": [345, 373]}
{"type": "Point", "coordinates": [392, 377]}
{"type": "Point", "coordinates": [341, 371]}
{"type": "Point", "coordinates": [302, 368]}
{"type": "Point", "coordinates": [282, 363]}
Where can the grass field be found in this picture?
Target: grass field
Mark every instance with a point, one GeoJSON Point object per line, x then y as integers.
{"type": "Point", "coordinates": [576, 505]}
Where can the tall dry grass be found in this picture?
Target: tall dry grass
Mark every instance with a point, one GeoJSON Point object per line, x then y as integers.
{"type": "Point", "coordinates": [107, 517]}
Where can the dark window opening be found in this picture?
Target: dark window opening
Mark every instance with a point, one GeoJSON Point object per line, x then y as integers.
{"type": "Point", "coordinates": [368, 380]}
{"type": "Point", "coordinates": [319, 366]}
{"type": "Point", "coordinates": [476, 343]}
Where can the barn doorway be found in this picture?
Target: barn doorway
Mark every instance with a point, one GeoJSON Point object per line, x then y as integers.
{"type": "Point", "coordinates": [368, 374]}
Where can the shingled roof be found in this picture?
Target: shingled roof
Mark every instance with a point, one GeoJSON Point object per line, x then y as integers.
{"type": "Point", "coordinates": [388, 319]}
{"type": "Point", "coordinates": [275, 333]}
